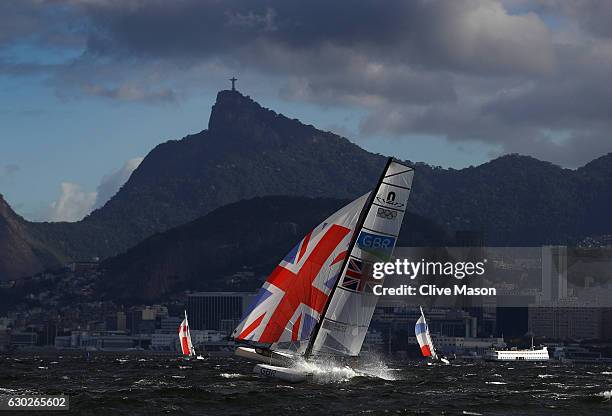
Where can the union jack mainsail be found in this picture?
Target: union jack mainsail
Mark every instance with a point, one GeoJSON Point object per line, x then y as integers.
{"type": "Point", "coordinates": [290, 302]}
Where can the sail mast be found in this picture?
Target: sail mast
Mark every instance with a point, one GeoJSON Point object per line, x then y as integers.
{"type": "Point", "coordinates": [359, 225]}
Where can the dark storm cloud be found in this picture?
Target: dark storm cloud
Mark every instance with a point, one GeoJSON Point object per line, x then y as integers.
{"type": "Point", "coordinates": [129, 93]}
{"type": "Point", "coordinates": [467, 35]}
{"type": "Point", "coordinates": [531, 76]}
{"type": "Point", "coordinates": [593, 16]}
{"type": "Point", "coordinates": [47, 23]}
{"type": "Point", "coordinates": [342, 52]}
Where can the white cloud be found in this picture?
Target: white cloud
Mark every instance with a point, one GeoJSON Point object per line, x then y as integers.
{"type": "Point", "coordinates": [110, 184]}
{"type": "Point", "coordinates": [74, 202]}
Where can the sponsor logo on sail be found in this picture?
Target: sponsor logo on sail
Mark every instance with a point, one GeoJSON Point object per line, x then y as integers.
{"type": "Point", "coordinates": [389, 200]}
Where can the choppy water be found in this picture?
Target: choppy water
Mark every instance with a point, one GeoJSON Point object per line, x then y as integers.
{"type": "Point", "coordinates": [132, 384]}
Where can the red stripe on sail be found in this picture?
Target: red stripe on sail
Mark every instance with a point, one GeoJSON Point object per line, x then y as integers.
{"type": "Point", "coordinates": [251, 327]}
{"type": "Point", "coordinates": [185, 345]}
{"type": "Point", "coordinates": [298, 287]}
{"type": "Point", "coordinates": [426, 351]}
{"type": "Point", "coordinates": [339, 257]}
{"type": "Point", "coordinates": [304, 246]}
{"type": "Point", "coordinates": [296, 329]}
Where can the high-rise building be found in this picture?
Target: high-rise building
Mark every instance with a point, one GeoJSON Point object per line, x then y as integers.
{"type": "Point", "coordinates": [567, 319]}
{"type": "Point", "coordinates": [220, 311]}
{"type": "Point", "coordinates": [554, 273]}
{"type": "Point", "coordinates": [171, 323]}
{"type": "Point", "coordinates": [389, 316]}
{"type": "Point", "coordinates": [121, 321]}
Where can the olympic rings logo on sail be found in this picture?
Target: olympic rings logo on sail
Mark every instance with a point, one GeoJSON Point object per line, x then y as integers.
{"type": "Point", "coordinates": [385, 213]}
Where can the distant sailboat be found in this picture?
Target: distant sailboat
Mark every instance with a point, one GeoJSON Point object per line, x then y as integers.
{"type": "Point", "coordinates": [185, 340]}
{"type": "Point", "coordinates": [319, 302]}
{"type": "Point", "coordinates": [425, 341]}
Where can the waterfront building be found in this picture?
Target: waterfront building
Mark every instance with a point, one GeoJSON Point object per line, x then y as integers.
{"type": "Point", "coordinates": [217, 310]}
{"type": "Point", "coordinates": [450, 322]}
{"type": "Point", "coordinates": [170, 323]}
{"type": "Point", "coordinates": [554, 273]}
{"type": "Point", "coordinates": [164, 340]}
{"type": "Point", "coordinates": [464, 345]}
{"type": "Point", "coordinates": [23, 339]}
{"type": "Point", "coordinates": [567, 319]}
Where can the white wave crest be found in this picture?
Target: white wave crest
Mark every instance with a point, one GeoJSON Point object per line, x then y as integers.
{"type": "Point", "coordinates": [230, 375]}
{"type": "Point", "coordinates": [329, 371]}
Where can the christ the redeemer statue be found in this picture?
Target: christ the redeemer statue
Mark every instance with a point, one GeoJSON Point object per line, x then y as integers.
{"type": "Point", "coordinates": [233, 79]}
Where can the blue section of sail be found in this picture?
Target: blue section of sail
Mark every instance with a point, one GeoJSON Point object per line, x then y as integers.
{"type": "Point", "coordinates": [307, 326]}
{"type": "Point", "coordinates": [290, 257]}
{"type": "Point", "coordinates": [262, 295]}
{"type": "Point", "coordinates": [331, 281]}
{"type": "Point", "coordinates": [420, 328]}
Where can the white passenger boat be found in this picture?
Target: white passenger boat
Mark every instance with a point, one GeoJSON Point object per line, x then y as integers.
{"type": "Point", "coordinates": [531, 354]}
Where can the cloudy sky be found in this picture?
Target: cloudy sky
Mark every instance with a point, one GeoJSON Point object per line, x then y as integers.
{"type": "Point", "coordinates": [88, 87]}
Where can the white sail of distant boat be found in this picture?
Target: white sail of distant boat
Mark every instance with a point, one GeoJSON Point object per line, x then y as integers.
{"type": "Point", "coordinates": [185, 339]}
{"type": "Point", "coordinates": [319, 299]}
{"type": "Point", "coordinates": [424, 339]}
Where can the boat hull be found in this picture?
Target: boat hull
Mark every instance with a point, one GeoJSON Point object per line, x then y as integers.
{"type": "Point", "coordinates": [272, 357]}
{"type": "Point", "coordinates": [282, 373]}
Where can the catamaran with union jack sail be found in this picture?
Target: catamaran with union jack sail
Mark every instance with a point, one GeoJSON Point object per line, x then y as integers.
{"type": "Point", "coordinates": [428, 349]}
{"type": "Point", "coordinates": [318, 302]}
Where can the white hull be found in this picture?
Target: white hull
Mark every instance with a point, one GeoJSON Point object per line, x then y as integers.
{"type": "Point", "coordinates": [441, 361]}
{"type": "Point", "coordinates": [275, 357]}
{"type": "Point", "coordinates": [282, 373]}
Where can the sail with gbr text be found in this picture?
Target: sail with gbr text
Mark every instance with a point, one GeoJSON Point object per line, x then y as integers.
{"type": "Point", "coordinates": [348, 314]}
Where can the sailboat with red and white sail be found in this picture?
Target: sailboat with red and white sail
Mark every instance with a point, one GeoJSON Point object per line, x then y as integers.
{"type": "Point", "coordinates": [318, 302]}
{"type": "Point", "coordinates": [185, 340]}
{"type": "Point", "coordinates": [425, 341]}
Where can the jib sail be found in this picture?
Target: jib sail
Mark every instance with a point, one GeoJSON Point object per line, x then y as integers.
{"type": "Point", "coordinates": [347, 316]}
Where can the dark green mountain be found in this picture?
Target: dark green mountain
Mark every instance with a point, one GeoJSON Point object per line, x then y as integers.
{"type": "Point", "coordinates": [249, 151]}
{"type": "Point", "coordinates": [22, 252]}
{"type": "Point", "coordinates": [231, 248]}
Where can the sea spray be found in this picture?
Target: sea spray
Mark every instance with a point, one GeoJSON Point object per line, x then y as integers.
{"type": "Point", "coordinates": [330, 371]}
